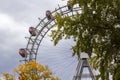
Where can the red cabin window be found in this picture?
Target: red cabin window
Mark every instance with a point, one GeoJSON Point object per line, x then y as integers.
{"type": "Point", "coordinates": [22, 52]}
{"type": "Point", "coordinates": [32, 31]}
{"type": "Point", "coordinates": [49, 15]}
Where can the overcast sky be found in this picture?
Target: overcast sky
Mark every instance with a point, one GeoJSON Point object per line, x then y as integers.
{"type": "Point", "coordinates": [16, 16]}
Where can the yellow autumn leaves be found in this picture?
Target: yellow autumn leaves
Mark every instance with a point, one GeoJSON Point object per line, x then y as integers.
{"type": "Point", "coordinates": [31, 71]}
{"type": "Point", "coordinates": [7, 76]}
{"type": "Point", "coordinates": [34, 71]}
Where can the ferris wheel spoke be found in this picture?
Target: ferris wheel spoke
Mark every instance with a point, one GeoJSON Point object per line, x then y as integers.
{"type": "Point", "coordinates": [40, 47]}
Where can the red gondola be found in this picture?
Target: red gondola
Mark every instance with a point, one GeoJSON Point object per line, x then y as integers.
{"type": "Point", "coordinates": [32, 31]}
{"type": "Point", "coordinates": [49, 15]}
{"type": "Point", "coordinates": [20, 77]}
{"type": "Point", "coordinates": [22, 52]}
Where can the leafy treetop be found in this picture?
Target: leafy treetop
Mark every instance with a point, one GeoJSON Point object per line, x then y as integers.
{"type": "Point", "coordinates": [96, 30]}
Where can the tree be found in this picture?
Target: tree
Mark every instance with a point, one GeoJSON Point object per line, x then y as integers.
{"type": "Point", "coordinates": [96, 30]}
{"type": "Point", "coordinates": [34, 71]}
{"type": "Point", "coordinates": [30, 71]}
{"type": "Point", "coordinates": [7, 76]}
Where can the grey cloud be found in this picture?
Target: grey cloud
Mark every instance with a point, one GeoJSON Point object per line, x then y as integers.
{"type": "Point", "coordinates": [8, 61]}
{"type": "Point", "coordinates": [28, 10]}
{"type": "Point", "coordinates": [25, 14]}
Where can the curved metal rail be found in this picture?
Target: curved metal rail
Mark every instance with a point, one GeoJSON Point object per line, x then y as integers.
{"type": "Point", "coordinates": [42, 28]}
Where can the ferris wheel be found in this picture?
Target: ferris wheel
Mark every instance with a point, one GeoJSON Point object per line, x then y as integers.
{"type": "Point", "coordinates": [58, 57]}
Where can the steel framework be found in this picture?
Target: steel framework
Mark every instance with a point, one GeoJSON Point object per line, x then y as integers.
{"type": "Point", "coordinates": [42, 28]}
{"type": "Point", "coordinates": [83, 65]}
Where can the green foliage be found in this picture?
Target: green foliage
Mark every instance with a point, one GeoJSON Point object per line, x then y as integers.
{"type": "Point", "coordinates": [96, 30]}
